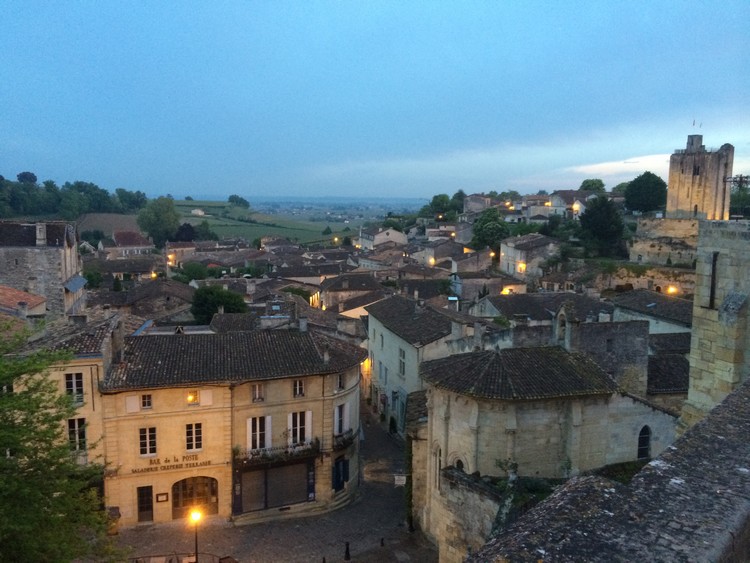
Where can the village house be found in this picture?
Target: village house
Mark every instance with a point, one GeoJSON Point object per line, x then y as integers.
{"type": "Point", "coordinates": [128, 244]}
{"type": "Point", "coordinates": [372, 237]}
{"type": "Point", "coordinates": [523, 256]}
{"type": "Point", "coordinates": [42, 258]}
{"type": "Point", "coordinates": [21, 304]}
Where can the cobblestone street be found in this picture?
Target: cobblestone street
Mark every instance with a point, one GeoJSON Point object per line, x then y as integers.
{"type": "Point", "coordinates": [377, 516]}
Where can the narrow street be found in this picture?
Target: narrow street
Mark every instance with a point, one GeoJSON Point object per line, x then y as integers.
{"type": "Point", "coordinates": [373, 525]}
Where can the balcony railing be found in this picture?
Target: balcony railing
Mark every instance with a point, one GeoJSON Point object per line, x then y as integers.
{"type": "Point", "coordinates": [263, 456]}
{"type": "Point", "coordinates": [343, 441]}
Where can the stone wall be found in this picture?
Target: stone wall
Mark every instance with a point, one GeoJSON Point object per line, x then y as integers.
{"type": "Point", "coordinates": [620, 348]}
{"type": "Point", "coordinates": [654, 278]}
{"type": "Point", "coordinates": [665, 241]}
{"type": "Point", "coordinates": [35, 270]}
{"type": "Point", "coordinates": [720, 345]}
{"type": "Point", "coordinates": [462, 514]}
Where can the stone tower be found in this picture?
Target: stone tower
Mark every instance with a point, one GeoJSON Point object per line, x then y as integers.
{"type": "Point", "coordinates": [720, 343]}
{"type": "Point", "coordinates": [697, 181]}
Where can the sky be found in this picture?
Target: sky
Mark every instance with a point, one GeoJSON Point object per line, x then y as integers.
{"type": "Point", "coordinates": [367, 98]}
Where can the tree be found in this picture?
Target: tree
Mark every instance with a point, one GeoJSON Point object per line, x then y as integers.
{"type": "Point", "coordinates": [646, 193]}
{"type": "Point", "coordinates": [160, 220]}
{"type": "Point", "coordinates": [26, 177]}
{"type": "Point", "coordinates": [207, 300]}
{"type": "Point", "coordinates": [239, 201]}
{"type": "Point", "coordinates": [195, 271]}
{"type": "Point", "coordinates": [489, 230]}
{"type": "Point", "coordinates": [602, 225]}
{"type": "Point", "coordinates": [203, 232]}
{"type": "Point", "coordinates": [739, 202]}
{"type": "Point", "coordinates": [592, 185]}
{"type": "Point", "coordinates": [185, 233]}
{"type": "Point", "coordinates": [620, 188]}
{"type": "Point", "coordinates": [327, 231]}
{"type": "Point", "coordinates": [49, 510]}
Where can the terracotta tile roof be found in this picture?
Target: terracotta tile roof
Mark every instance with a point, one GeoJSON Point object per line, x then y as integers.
{"type": "Point", "coordinates": [569, 196]}
{"type": "Point", "coordinates": [190, 359]}
{"type": "Point", "coordinates": [351, 282]}
{"type": "Point", "coordinates": [234, 322]}
{"type": "Point", "coordinates": [362, 300]}
{"type": "Point", "coordinates": [314, 315]}
{"type": "Point", "coordinates": [426, 289]}
{"type": "Point", "coordinates": [20, 233]}
{"type": "Point", "coordinates": [530, 241]}
{"type": "Point", "coordinates": [161, 288]}
{"type": "Point", "coordinates": [85, 339]}
{"type": "Point", "coordinates": [668, 373]}
{"type": "Point", "coordinates": [130, 238]}
{"type": "Point", "coordinates": [140, 265]}
{"type": "Point", "coordinates": [659, 305]}
{"type": "Point", "coordinates": [519, 374]}
{"type": "Point", "coordinates": [417, 325]}
{"type": "Point", "coordinates": [675, 343]}
{"type": "Point", "coordinates": [11, 297]}
{"type": "Point", "coordinates": [542, 306]}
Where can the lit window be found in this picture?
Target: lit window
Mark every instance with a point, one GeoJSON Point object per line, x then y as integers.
{"type": "Point", "coordinates": [256, 391]}
{"type": "Point", "coordinates": [146, 401]}
{"type": "Point", "coordinates": [193, 397]}
{"type": "Point", "coordinates": [194, 436]}
{"type": "Point", "coordinates": [147, 440]}
{"type": "Point", "coordinates": [299, 388]}
{"type": "Point", "coordinates": [74, 387]}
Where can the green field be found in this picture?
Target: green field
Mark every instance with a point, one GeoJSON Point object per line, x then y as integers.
{"type": "Point", "coordinates": [230, 221]}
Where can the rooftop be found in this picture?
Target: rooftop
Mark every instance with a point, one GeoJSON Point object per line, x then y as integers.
{"type": "Point", "coordinates": [655, 304]}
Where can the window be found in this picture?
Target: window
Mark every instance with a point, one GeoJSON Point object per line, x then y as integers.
{"type": "Point", "coordinates": [339, 419]}
{"type": "Point", "coordinates": [194, 397]}
{"type": "Point", "coordinates": [146, 401]}
{"type": "Point", "coordinates": [298, 427]}
{"type": "Point", "coordinates": [74, 387]}
{"type": "Point", "coordinates": [148, 440]}
{"type": "Point", "coordinates": [712, 293]}
{"type": "Point", "coordinates": [194, 436]}
{"type": "Point", "coordinates": [402, 362]}
{"type": "Point", "coordinates": [256, 392]}
{"type": "Point", "coordinates": [381, 341]}
{"type": "Point", "coordinates": [644, 443]}
{"type": "Point", "coordinates": [610, 345]}
{"type": "Point", "coordinates": [77, 434]}
{"type": "Point", "coordinates": [383, 373]}
{"type": "Point", "coordinates": [340, 381]}
{"type": "Point", "coordinates": [259, 428]}
{"type": "Point", "coordinates": [299, 388]}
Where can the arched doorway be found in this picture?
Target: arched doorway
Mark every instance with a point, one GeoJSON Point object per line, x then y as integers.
{"type": "Point", "coordinates": [195, 492]}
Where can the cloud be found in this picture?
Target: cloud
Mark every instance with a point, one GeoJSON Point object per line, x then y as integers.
{"type": "Point", "coordinates": [632, 166]}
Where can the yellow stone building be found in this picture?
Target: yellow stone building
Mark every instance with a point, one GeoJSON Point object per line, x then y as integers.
{"type": "Point", "coordinates": [254, 425]}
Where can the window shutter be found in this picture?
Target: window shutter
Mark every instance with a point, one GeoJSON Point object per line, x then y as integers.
{"type": "Point", "coordinates": [269, 434]}
{"type": "Point", "coordinates": [289, 429]}
{"type": "Point", "coordinates": [132, 403]}
{"type": "Point", "coordinates": [335, 420]}
{"type": "Point", "coordinates": [308, 427]}
{"type": "Point", "coordinates": [249, 433]}
{"type": "Point", "coordinates": [347, 423]}
{"type": "Point", "coordinates": [207, 397]}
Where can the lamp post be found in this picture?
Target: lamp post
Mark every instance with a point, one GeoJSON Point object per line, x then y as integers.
{"type": "Point", "coordinates": [195, 516]}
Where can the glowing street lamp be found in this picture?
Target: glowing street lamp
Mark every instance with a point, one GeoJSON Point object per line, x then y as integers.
{"type": "Point", "coordinates": [195, 516]}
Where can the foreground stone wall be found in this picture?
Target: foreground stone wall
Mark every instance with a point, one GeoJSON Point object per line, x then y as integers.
{"type": "Point", "coordinates": [720, 345]}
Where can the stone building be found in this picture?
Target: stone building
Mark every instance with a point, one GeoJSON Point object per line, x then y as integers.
{"type": "Point", "coordinates": [403, 333]}
{"type": "Point", "coordinates": [522, 256]}
{"type": "Point", "coordinates": [697, 189]}
{"type": "Point", "coordinates": [42, 258]}
{"type": "Point", "coordinates": [538, 412]}
{"type": "Point", "coordinates": [720, 346]}
{"type": "Point", "coordinates": [697, 183]}
{"type": "Point", "coordinates": [688, 504]}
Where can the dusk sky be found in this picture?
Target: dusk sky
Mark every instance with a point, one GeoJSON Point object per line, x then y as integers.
{"type": "Point", "coordinates": [376, 98]}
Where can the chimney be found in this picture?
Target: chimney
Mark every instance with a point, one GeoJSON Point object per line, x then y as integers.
{"type": "Point", "coordinates": [221, 309]}
{"type": "Point", "coordinates": [23, 309]}
{"type": "Point", "coordinates": [41, 234]}
{"type": "Point", "coordinates": [303, 324]}
{"type": "Point", "coordinates": [326, 355]}
{"type": "Point", "coordinates": [416, 294]}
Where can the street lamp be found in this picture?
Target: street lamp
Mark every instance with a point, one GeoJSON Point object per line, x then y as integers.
{"type": "Point", "coordinates": [195, 516]}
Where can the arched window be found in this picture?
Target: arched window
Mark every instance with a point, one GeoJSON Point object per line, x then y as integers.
{"type": "Point", "coordinates": [644, 443]}
{"type": "Point", "coordinates": [194, 492]}
{"type": "Point", "coordinates": [459, 465]}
